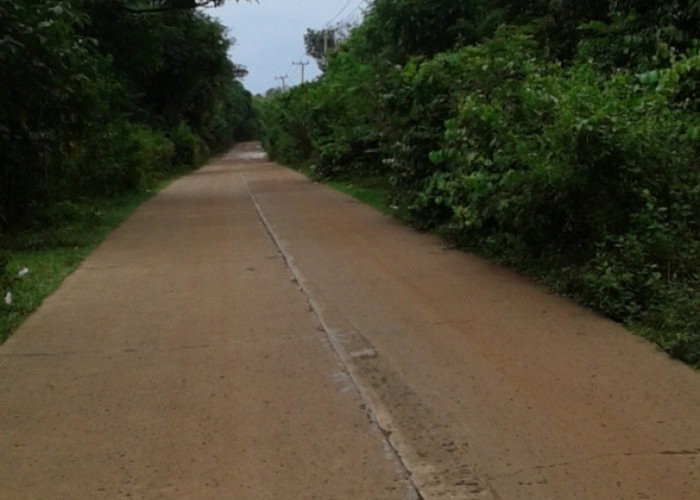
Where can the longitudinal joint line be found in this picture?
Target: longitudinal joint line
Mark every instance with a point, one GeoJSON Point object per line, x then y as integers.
{"type": "Point", "coordinates": [331, 339]}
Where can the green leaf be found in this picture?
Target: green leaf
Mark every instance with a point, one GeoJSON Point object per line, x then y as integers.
{"type": "Point", "coordinates": [437, 157]}
{"type": "Point", "coordinates": [649, 77]}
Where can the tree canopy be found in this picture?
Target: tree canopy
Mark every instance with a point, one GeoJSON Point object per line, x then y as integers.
{"type": "Point", "coordinates": [157, 6]}
{"type": "Point", "coordinates": [88, 111]}
{"type": "Point", "coordinates": [319, 43]}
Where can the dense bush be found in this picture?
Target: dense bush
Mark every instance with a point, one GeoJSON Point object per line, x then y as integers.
{"type": "Point", "coordinates": [564, 143]}
{"type": "Point", "coordinates": [329, 124]}
{"type": "Point", "coordinates": [52, 93]}
{"type": "Point", "coordinates": [188, 147]}
{"type": "Point", "coordinates": [399, 29]}
{"type": "Point", "coordinates": [562, 169]}
{"type": "Point", "coordinates": [120, 157]}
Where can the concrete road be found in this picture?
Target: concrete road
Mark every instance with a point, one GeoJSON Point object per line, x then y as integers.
{"type": "Point", "coordinates": [248, 334]}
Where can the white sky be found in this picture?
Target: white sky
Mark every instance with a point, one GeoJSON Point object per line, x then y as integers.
{"type": "Point", "coordinates": [270, 35]}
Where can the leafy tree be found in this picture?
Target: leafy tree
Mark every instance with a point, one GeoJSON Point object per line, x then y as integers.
{"type": "Point", "coordinates": [53, 90]}
{"type": "Point", "coordinates": [159, 6]}
{"type": "Point", "coordinates": [398, 29]}
{"type": "Point", "coordinates": [175, 64]}
{"type": "Point", "coordinates": [319, 42]}
{"type": "Point", "coordinates": [88, 111]}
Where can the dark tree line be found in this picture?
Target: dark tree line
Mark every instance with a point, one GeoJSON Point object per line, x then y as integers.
{"type": "Point", "coordinates": [100, 97]}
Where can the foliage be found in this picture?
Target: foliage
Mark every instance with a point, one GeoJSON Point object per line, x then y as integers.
{"type": "Point", "coordinates": [395, 30]}
{"type": "Point", "coordinates": [91, 119]}
{"type": "Point", "coordinates": [564, 143]}
{"type": "Point", "coordinates": [52, 93]}
{"type": "Point", "coordinates": [642, 35]}
{"type": "Point", "coordinates": [90, 112]}
{"type": "Point", "coordinates": [174, 65]}
{"type": "Point", "coordinates": [319, 42]}
{"type": "Point", "coordinates": [555, 168]}
{"type": "Point", "coordinates": [121, 157]}
{"type": "Point", "coordinates": [160, 6]}
{"type": "Point", "coordinates": [50, 248]}
{"type": "Point", "coordinates": [330, 124]}
{"type": "Point", "coordinates": [188, 148]}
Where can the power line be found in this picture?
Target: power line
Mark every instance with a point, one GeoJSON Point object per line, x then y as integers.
{"type": "Point", "coordinates": [339, 12]}
{"type": "Point", "coordinates": [293, 69]}
{"type": "Point", "coordinates": [350, 18]}
{"type": "Point", "coordinates": [357, 7]}
{"type": "Point", "coordinates": [353, 12]}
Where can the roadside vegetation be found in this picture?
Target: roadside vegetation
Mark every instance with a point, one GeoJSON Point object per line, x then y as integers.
{"type": "Point", "coordinates": [561, 138]}
{"type": "Point", "coordinates": [101, 102]}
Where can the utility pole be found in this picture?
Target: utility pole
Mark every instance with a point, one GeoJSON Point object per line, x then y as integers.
{"type": "Point", "coordinates": [302, 64]}
{"type": "Point", "coordinates": [283, 78]}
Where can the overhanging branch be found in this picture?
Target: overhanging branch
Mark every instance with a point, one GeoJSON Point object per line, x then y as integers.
{"type": "Point", "coordinates": [167, 6]}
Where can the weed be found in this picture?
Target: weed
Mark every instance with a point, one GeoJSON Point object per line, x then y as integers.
{"type": "Point", "coordinates": [50, 255]}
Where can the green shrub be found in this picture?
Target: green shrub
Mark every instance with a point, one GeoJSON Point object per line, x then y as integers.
{"type": "Point", "coordinates": [566, 146]}
{"type": "Point", "coordinates": [123, 157]}
{"type": "Point", "coordinates": [188, 147]}
{"type": "Point", "coordinates": [595, 179]}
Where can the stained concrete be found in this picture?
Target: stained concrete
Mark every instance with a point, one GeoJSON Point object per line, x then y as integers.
{"type": "Point", "coordinates": [249, 334]}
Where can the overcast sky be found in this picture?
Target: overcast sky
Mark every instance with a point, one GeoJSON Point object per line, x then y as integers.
{"type": "Point", "coordinates": [270, 35]}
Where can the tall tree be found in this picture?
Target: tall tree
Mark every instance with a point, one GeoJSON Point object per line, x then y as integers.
{"type": "Point", "coordinates": [399, 29]}
{"type": "Point", "coordinates": [52, 89]}
{"type": "Point", "coordinates": [88, 111]}
{"type": "Point", "coordinates": [319, 42]}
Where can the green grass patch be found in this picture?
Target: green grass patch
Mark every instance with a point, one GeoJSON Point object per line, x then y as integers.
{"type": "Point", "coordinates": [373, 191]}
{"type": "Point", "coordinates": [376, 192]}
{"type": "Point", "coordinates": [373, 194]}
{"type": "Point", "coordinates": [50, 249]}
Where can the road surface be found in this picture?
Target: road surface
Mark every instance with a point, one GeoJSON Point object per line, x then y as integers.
{"type": "Point", "coordinates": [248, 334]}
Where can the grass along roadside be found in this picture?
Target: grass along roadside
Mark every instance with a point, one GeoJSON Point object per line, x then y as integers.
{"type": "Point", "coordinates": [35, 261]}
{"type": "Point", "coordinates": [373, 194]}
